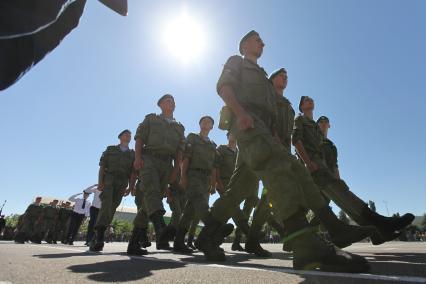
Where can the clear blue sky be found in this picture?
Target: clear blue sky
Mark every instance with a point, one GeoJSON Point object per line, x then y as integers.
{"type": "Point", "coordinates": [362, 61]}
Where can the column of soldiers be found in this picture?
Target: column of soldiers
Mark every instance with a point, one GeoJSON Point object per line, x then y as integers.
{"type": "Point", "coordinates": [261, 127]}
{"type": "Point", "coordinates": [44, 222]}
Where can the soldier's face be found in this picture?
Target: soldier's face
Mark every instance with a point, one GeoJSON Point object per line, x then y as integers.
{"type": "Point", "coordinates": [55, 202]}
{"type": "Point", "coordinates": [254, 46]}
{"type": "Point", "coordinates": [126, 138]}
{"type": "Point", "coordinates": [38, 200]}
{"type": "Point", "coordinates": [280, 81]}
{"type": "Point", "coordinates": [206, 124]}
{"type": "Point", "coordinates": [308, 104]}
{"type": "Point", "coordinates": [168, 105]}
{"type": "Point", "coordinates": [324, 125]}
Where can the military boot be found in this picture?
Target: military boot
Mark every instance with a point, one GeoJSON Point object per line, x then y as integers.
{"type": "Point", "coordinates": [162, 235]}
{"type": "Point", "coordinates": [97, 244]}
{"type": "Point", "coordinates": [179, 243]}
{"type": "Point", "coordinates": [133, 247]}
{"type": "Point", "coordinates": [343, 235]}
{"type": "Point", "coordinates": [20, 238]}
{"type": "Point", "coordinates": [143, 238]}
{"type": "Point", "coordinates": [211, 236]}
{"type": "Point", "coordinates": [236, 246]}
{"type": "Point", "coordinates": [386, 224]}
{"type": "Point", "coordinates": [190, 241]}
{"type": "Point", "coordinates": [310, 252]}
{"type": "Point", "coordinates": [253, 246]}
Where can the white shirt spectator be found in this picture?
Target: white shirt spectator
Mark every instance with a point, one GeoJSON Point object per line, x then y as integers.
{"type": "Point", "coordinates": [96, 202]}
{"type": "Point", "coordinates": [78, 205]}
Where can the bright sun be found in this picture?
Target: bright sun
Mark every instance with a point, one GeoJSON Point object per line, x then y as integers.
{"type": "Point", "coordinates": [185, 39]}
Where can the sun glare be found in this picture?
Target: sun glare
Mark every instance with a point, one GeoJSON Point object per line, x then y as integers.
{"type": "Point", "coordinates": [184, 38]}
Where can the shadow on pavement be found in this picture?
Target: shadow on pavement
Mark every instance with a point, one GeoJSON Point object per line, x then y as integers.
{"type": "Point", "coordinates": [122, 270]}
{"type": "Point", "coordinates": [402, 264]}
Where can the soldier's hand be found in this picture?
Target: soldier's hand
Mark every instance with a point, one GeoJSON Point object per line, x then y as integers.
{"type": "Point", "coordinates": [245, 121]}
{"type": "Point", "coordinates": [101, 187]}
{"type": "Point", "coordinates": [133, 191]}
{"type": "Point", "coordinates": [212, 190]}
{"type": "Point", "coordinates": [138, 164]}
{"type": "Point", "coordinates": [219, 188]}
{"type": "Point", "coordinates": [312, 166]}
{"type": "Point", "coordinates": [183, 182]}
{"type": "Point", "coordinates": [169, 195]}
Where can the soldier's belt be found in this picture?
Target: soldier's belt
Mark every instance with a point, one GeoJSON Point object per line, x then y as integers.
{"type": "Point", "coordinates": [202, 171]}
{"type": "Point", "coordinates": [163, 157]}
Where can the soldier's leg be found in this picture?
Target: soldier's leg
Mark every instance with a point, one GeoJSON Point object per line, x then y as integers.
{"type": "Point", "coordinates": [338, 191]}
{"type": "Point", "coordinates": [191, 233]}
{"type": "Point", "coordinates": [287, 200]}
{"type": "Point", "coordinates": [141, 220]}
{"type": "Point", "coordinates": [175, 207]}
{"type": "Point", "coordinates": [105, 213]}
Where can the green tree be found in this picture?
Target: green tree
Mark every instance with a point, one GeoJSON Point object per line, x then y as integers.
{"type": "Point", "coordinates": [343, 217]}
{"type": "Point", "coordinates": [372, 205]}
{"type": "Point", "coordinates": [12, 220]}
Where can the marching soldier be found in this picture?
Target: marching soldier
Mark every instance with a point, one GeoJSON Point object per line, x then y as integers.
{"type": "Point", "coordinates": [308, 140]}
{"type": "Point", "coordinates": [197, 178]}
{"type": "Point", "coordinates": [158, 153]}
{"type": "Point", "coordinates": [31, 217]}
{"type": "Point", "coordinates": [115, 171]}
{"type": "Point", "coordinates": [247, 91]}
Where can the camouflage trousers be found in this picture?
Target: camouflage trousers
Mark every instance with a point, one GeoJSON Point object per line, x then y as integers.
{"type": "Point", "coordinates": [338, 191]}
{"type": "Point", "coordinates": [197, 194]}
{"type": "Point", "coordinates": [289, 183]}
{"type": "Point", "coordinates": [111, 198]}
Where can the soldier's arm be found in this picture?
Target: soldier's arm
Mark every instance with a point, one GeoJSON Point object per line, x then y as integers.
{"type": "Point", "coordinates": [219, 185]}
{"type": "Point", "coordinates": [213, 181]}
{"type": "Point", "coordinates": [72, 198]}
{"type": "Point", "coordinates": [304, 156]}
{"type": "Point", "coordinates": [176, 166]}
{"type": "Point", "coordinates": [140, 137]}
{"type": "Point", "coordinates": [245, 121]}
{"type": "Point", "coordinates": [183, 175]}
{"type": "Point", "coordinates": [101, 176]}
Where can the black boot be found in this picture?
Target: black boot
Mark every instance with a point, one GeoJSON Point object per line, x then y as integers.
{"type": "Point", "coordinates": [211, 236]}
{"type": "Point", "coordinates": [97, 243]}
{"type": "Point", "coordinates": [190, 242]}
{"type": "Point", "coordinates": [253, 246]}
{"type": "Point", "coordinates": [343, 235]}
{"type": "Point", "coordinates": [236, 246]}
{"type": "Point", "coordinates": [163, 233]}
{"type": "Point", "coordinates": [133, 247]}
{"type": "Point", "coordinates": [387, 224]}
{"type": "Point", "coordinates": [20, 238]}
{"type": "Point", "coordinates": [311, 252]}
{"type": "Point", "coordinates": [179, 243]}
{"type": "Point", "coordinates": [143, 238]}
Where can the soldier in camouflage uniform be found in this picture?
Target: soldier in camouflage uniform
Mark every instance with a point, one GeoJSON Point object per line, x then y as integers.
{"type": "Point", "coordinates": [31, 218]}
{"type": "Point", "coordinates": [62, 222]}
{"type": "Point", "coordinates": [308, 140]}
{"type": "Point", "coordinates": [46, 226]}
{"type": "Point", "coordinates": [283, 130]}
{"type": "Point", "coordinates": [328, 148]}
{"type": "Point", "coordinates": [159, 144]}
{"type": "Point", "coordinates": [249, 94]}
{"type": "Point", "coordinates": [115, 171]}
{"type": "Point", "coordinates": [197, 178]}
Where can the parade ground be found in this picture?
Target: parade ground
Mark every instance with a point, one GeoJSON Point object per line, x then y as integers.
{"type": "Point", "coordinates": [394, 262]}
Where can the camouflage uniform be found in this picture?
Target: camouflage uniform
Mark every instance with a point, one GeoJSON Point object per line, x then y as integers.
{"type": "Point", "coordinates": [46, 226]}
{"type": "Point", "coordinates": [64, 215]}
{"type": "Point", "coordinates": [31, 217]}
{"type": "Point", "coordinates": [118, 167]}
